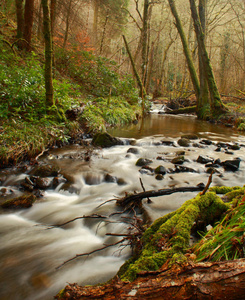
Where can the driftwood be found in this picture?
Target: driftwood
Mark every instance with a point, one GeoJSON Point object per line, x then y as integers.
{"type": "Point", "coordinates": [135, 200]}
{"type": "Point", "coordinates": [208, 280]}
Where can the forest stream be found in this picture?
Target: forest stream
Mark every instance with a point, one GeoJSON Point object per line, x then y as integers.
{"type": "Point", "coordinates": [31, 250]}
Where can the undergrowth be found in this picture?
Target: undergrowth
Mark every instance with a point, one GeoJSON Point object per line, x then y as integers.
{"type": "Point", "coordinates": [28, 126]}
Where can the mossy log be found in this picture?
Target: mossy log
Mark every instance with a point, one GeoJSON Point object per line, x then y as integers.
{"type": "Point", "coordinates": [217, 280]}
{"type": "Point", "coordinates": [167, 239]}
{"type": "Point", "coordinates": [183, 110]}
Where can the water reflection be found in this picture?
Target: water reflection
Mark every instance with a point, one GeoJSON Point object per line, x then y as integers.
{"type": "Point", "coordinates": [174, 126]}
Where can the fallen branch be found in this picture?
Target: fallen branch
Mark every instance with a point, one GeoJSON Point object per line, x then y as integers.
{"type": "Point", "coordinates": [89, 253]}
{"type": "Point", "coordinates": [135, 200]}
{"type": "Point", "coordinates": [94, 216]}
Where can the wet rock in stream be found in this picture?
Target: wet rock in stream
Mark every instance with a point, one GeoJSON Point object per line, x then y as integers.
{"type": "Point", "coordinates": [143, 162]}
{"type": "Point", "coordinates": [105, 140]}
{"type": "Point", "coordinates": [24, 201]}
{"type": "Point", "coordinates": [232, 165]}
{"type": "Point", "coordinates": [183, 142]}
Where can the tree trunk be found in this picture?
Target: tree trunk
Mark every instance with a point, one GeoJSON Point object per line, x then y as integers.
{"type": "Point", "coordinates": [28, 23]}
{"type": "Point", "coordinates": [52, 14]}
{"type": "Point", "coordinates": [208, 280]}
{"type": "Point", "coordinates": [20, 18]}
{"type": "Point", "coordinates": [217, 106]}
{"type": "Point", "coordinates": [203, 105]}
{"type": "Point", "coordinates": [186, 49]}
{"type": "Point", "coordinates": [145, 41]}
{"type": "Point", "coordinates": [67, 24]}
{"type": "Point", "coordinates": [96, 4]}
{"type": "Point", "coordinates": [48, 54]}
{"type": "Point", "coordinates": [139, 82]}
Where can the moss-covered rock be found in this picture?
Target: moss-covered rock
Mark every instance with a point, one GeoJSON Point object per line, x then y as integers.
{"type": "Point", "coordinates": [105, 140]}
{"type": "Point", "coordinates": [183, 142]}
{"type": "Point", "coordinates": [24, 201]}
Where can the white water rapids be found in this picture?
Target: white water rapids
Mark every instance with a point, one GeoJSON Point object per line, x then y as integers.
{"type": "Point", "coordinates": [30, 252]}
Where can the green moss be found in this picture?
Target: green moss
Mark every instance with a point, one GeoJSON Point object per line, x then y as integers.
{"type": "Point", "coordinates": [223, 189]}
{"type": "Point", "coordinates": [169, 236]}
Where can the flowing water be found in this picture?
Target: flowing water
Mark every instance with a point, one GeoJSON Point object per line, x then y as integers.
{"type": "Point", "coordinates": [31, 251]}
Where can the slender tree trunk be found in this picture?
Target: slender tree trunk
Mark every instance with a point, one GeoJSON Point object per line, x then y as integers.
{"type": "Point", "coordinates": [96, 4]}
{"type": "Point", "coordinates": [145, 40]}
{"type": "Point", "coordinates": [48, 54]}
{"type": "Point", "coordinates": [139, 82]}
{"type": "Point", "coordinates": [40, 22]}
{"type": "Point", "coordinates": [104, 31]}
{"type": "Point", "coordinates": [20, 18]}
{"type": "Point", "coordinates": [186, 49]}
{"type": "Point", "coordinates": [217, 106]}
{"type": "Point", "coordinates": [28, 23]}
{"type": "Point", "coordinates": [67, 23]}
{"type": "Point", "coordinates": [203, 105]}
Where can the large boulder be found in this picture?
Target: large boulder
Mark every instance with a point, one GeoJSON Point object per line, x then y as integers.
{"type": "Point", "coordinates": [105, 140]}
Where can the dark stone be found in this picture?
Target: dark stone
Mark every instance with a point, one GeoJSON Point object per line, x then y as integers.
{"type": "Point", "coordinates": [217, 161]}
{"type": "Point", "coordinates": [143, 162]}
{"type": "Point", "coordinates": [110, 178]}
{"type": "Point", "coordinates": [206, 142]}
{"type": "Point", "coordinates": [46, 171]}
{"type": "Point", "coordinates": [204, 159]}
{"type": "Point", "coordinates": [180, 169]}
{"type": "Point", "coordinates": [105, 140]}
{"type": "Point", "coordinates": [221, 145]}
{"type": "Point", "coordinates": [167, 143]}
{"type": "Point", "coordinates": [160, 158]}
{"type": "Point", "coordinates": [234, 147]}
{"type": "Point", "coordinates": [229, 152]}
{"type": "Point", "coordinates": [146, 170]}
{"type": "Point", "coordinates": [218, 149]}
{"type": "Point", "coordinates": [24, 201]}
{"type": "Point", "coordinates": [184, 142]}
{"type": "Point", "coordinates": [178, 160]}
{"type": "Point", "coordinates": [161, 170]}
{"type": "Point", "coordinates": [231, 165]}
{"type": "Point", "coordinates": [43, 183]}
{"type": "Point", "coordinates": [133, 150]}
{"type": "Point", "coordinates": [190, 136]}
{"type": "Point", "coordinates": [181, 152]}
{"type": "Point", "coordinates": [121, 181]}
{"type": "Point", "coordinates": [159, 177]}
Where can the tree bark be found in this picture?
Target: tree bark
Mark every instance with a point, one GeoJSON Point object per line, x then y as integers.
{"type": "Point", "coordinates": [28, 24]}
{"type": "Point", "coordinates": [186, 49]}
{"type": "Point", "coordinates": [203, 105]}
{"type": "Point", "coordinates": [145, 41]}
{"type": "Point", "coordinates": [208, 280]}
{"type": "Point", "coordinates": [217, 106]}
{"type": "Point", "coordinates": [48, 54]}
{"type": "Point", "coordinates": [67, 24]}
{"type": "Point", "coordinates": [20, 18]}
